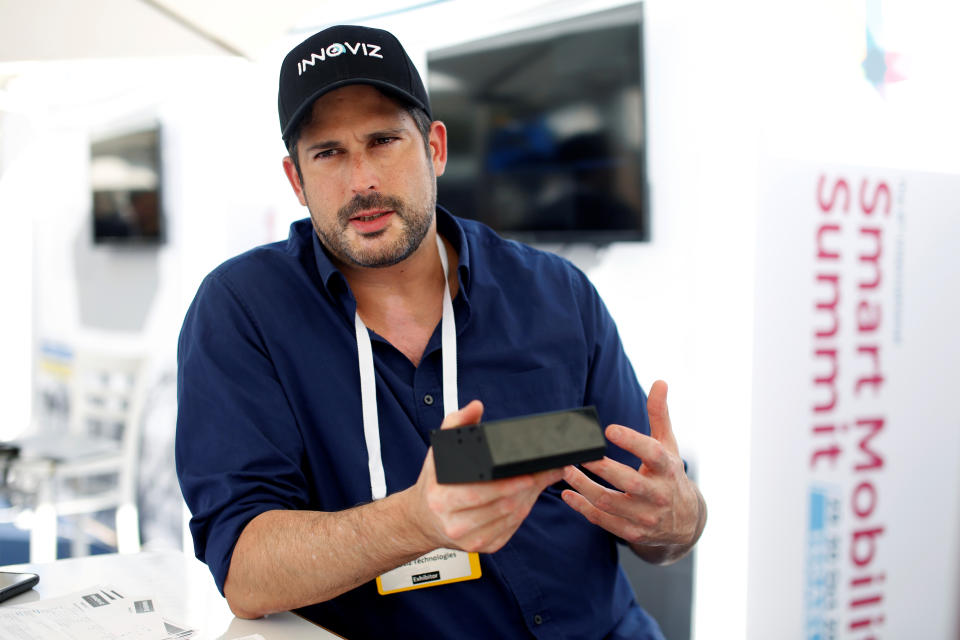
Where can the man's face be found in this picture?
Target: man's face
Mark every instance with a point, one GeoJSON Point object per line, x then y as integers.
{"type": "Point", "coordinates": [367, 180]}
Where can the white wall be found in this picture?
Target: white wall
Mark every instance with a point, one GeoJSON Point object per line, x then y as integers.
{"type": "Point", "coordinates": [16, 281]}
{"type": "Point", "coordinates": [219, 196]}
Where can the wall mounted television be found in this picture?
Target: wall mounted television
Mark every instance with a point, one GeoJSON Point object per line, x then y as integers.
{"type": "Point", "coordinates": [126, 189]}
{"type": "Point", "coordinates": [546, 138]}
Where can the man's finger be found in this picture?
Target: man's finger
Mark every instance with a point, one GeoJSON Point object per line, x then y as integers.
{"type": "Point", "coordinates": [605, 499]}
{"type": "Point", "coordinates": [624, 478]}
{"type": "Point", "coordinates": [649, 450]}
{"type": "Point", "coordinates": [468, 415]}
{"type": "Point", "coordinates": [490, 537]}
{"type": "Point", "coordinates": [584, 485]}
{"type": "Point", "coordinates": [614, 524]}
{"type": "Point", "coordinates": [473, 495]}
{"type": "Point", "coordinates": [544, 479]}
{"type": "Point", "coordinates": [660, 427]}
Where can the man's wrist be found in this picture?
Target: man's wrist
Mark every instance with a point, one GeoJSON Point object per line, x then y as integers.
{"type": "Point", "coordinates": [410, 531]}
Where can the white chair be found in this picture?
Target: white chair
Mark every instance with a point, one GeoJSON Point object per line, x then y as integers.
{"type": "Point", "coordinates": [92, 467]}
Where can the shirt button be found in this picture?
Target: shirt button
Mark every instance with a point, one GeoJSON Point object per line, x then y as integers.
{"type": "Point", "coordinates": [428, 399]}
{"type": "Point", "coordinates": [538, 619]}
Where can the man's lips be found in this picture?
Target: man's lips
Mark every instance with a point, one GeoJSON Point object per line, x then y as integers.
{"type": "Point", "coordinates": [369, 215]}
{"type": "Point", "coordinates": [371, 221]}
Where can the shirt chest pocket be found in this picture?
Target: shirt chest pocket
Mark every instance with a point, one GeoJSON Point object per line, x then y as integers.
{"type": "Point", "coordinates": [535, 391]}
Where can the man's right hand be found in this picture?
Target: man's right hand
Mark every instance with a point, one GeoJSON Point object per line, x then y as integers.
{"type": "Point", "coordinates": [476, 516]}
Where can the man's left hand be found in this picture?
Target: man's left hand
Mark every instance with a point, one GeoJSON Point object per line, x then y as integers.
{"type": "Point", "coordinates": [658, 510]}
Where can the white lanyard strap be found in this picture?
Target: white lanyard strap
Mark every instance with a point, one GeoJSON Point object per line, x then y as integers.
{"type": "Point", "coordinates": [368, 399]}
{"type": "Point", "coordinates": [368, 383]}
{"type": "Point", "coordinates": [448, 340]}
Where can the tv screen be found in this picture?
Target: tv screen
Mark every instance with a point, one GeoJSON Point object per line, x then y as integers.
{"type": "Point", "coordinates": [546, 129]}
{"type": "Point", "coordinates": [126, 188]}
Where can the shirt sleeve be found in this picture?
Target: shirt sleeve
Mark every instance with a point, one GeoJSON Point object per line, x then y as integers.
{"type": "Point", "coordinates": [612, 384]}
{"type": "Point", "coordinates": [238, 447]}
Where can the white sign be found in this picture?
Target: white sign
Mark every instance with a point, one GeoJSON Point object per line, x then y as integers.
{"type": "Point", "coordinates": [855, 474]}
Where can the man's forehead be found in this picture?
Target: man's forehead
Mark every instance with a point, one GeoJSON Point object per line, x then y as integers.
{"type": "Point", "coordinates": [351, 112]}
{"type": "Point", "coordinates": [355, 102]}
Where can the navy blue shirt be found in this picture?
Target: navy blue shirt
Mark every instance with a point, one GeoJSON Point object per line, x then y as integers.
{"type": "Point", "coordinates": [270, 418]}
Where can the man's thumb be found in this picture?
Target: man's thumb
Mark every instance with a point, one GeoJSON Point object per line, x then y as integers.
{"type": "Point", "coordinates": [470, 414]}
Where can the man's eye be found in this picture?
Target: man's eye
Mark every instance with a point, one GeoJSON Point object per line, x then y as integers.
{"type": "Point", "coordinates": [326, 153]}
{"type": "Point", "coordinates": [384, 140]}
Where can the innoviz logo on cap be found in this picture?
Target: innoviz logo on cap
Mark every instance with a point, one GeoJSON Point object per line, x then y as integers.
{"type": "Point", "coordinates": [336, 49]}
{"type": "Point", "coordinates": [339, 56]}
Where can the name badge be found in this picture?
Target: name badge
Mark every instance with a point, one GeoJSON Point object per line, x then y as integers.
{"type": "Point", "coordinates": [440, 566]}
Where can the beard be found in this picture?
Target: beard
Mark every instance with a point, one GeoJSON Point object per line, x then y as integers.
{"type": "Point", "coordinates": [414, 221]}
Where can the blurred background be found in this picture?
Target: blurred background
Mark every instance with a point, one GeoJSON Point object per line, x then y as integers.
{"type": "Point", "coordinates": [766, 195]}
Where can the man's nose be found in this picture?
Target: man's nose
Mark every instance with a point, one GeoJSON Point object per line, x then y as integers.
{"type": "Point", "coordinates": [363, 175]}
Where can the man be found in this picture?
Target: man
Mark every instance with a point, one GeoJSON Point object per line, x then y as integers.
{"type": "Point", "coordinates": [312, 371]}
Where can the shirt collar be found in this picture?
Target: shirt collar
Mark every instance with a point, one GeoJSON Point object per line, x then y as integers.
{"type": "Point", "coordinates": [449, 227]}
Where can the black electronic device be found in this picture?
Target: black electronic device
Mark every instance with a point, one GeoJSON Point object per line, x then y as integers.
{"type": "Point", "coordinates": [504, 448]}
{"type": "Point", "coordinates": [12, 584]}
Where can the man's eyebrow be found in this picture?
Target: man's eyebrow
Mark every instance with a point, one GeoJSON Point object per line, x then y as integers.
{"type": "Point", "coordinates": [386, 133]}
{"type": "Point", "coordinates": [373, 135]}
{"type": "Point", "coordinates": [323, 144]}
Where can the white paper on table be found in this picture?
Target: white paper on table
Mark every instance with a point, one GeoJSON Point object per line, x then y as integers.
{"type": "Point", "coordinates": [98, 613]}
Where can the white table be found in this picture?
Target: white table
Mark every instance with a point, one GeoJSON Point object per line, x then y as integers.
{"type": "Point", "coordinates": [182, 587]}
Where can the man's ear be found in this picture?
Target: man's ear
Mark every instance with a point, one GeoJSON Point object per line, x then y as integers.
{"type": "Point", "coordinates": [438, 147]}
{"type": "Point", "coordinates": [291, 170]}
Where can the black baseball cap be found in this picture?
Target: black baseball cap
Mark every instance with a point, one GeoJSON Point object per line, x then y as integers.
{"type": "Point", "coordinates": [343, 55]}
